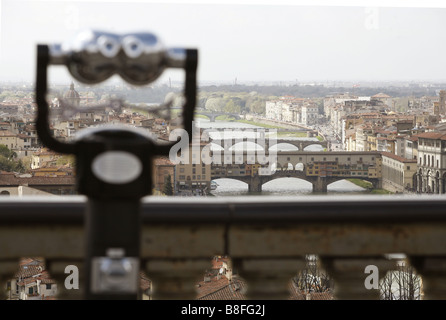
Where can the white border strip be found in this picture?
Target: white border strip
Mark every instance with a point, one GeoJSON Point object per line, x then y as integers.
{"type": "Point", "coordinates": [326, 3]}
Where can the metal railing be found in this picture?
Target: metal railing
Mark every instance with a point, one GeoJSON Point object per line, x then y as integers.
{"type": "Point", "coordinates": [267, 239]}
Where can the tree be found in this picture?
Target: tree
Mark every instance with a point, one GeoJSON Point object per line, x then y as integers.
{"type": "Point", "coordinates": [5, 152]}
{"type": "Point", "coordinates": [7, 160]}
{"type": "Point", "coordinates": [256, 105]}
{"type": "Point", "coordinates": [231, 107]}
{"type": "Point", "coordinates": [401, 284]}
{"type": "Point", "coordinates": [168, 189]}
{"type": "Point", "coordinates": [312, 278]}
{"type": "Point", "coordinates": [10, 165]}
{"type": "Point", "coordinates": [215, 104]}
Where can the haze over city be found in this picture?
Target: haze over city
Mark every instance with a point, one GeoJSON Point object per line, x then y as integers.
{"type": "Point", "coordinates": [251, 41]}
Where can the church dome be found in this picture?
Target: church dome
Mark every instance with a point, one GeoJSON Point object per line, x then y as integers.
{"type": "Point", "coordinates": [72, 93]}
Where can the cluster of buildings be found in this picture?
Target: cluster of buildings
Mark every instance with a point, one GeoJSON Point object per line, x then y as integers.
{"type": "Point", "coordinates": [293, 110]}
{"type": "Point", "coordinates": [412, 143]}
{"type": "Point", "coordinates": [31, 282]}
{"type": "Point", "coordinates": [52, 173]}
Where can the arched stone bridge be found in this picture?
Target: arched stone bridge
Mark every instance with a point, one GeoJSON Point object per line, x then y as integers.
{"type": "Point", "coordinates": [214, 114]}
{"type": "Point", "coordinates": [318, 168]}
{"type": "Point", "coordinates": [300, 144]}
{"type": "Point", "coordinates": [319, 183]}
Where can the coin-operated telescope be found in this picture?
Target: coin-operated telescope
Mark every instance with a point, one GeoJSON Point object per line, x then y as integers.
{"type": "Point", "coordinates": [113, 163]}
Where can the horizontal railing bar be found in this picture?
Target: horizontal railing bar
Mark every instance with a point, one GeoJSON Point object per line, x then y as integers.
{"type": "Point", "coordinates": [235, 210]}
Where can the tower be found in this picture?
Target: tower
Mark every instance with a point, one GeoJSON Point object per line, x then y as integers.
{"type": "Point", "coordinates": [442, 102]}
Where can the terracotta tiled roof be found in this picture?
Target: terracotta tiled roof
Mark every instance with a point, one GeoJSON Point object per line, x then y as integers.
{"type": "Point", "coordinates": [162, 161]}
{"type": "Point", "coordinates": [29, 267]}
{"type": "Point", "coordinates": [432, 135]}
{"type": "Point", "coordinates": [398, 158]}
{"type": "Point", "coordinates": [7, 133]}
{"type": "Point", "coordinates": [12, 180]}
{"type": "Point", "coordinates": [144, 281]}
{"type": "Point", "coordinates": [28, 271]}
{"type": "Point", "coordinates": [222, 289]}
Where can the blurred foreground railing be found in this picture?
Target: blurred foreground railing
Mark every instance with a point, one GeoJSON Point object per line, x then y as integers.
{"type": "Point", "coordinates": [267, 239]}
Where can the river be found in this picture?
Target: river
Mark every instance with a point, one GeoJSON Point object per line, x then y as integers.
{"type": "Point", "coordinates": [282, 186]}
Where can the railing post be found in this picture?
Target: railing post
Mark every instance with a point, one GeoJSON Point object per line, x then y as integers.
{"type": "Point", "coordinates": [356, 278]}
{"type": "Point", "coordinates": [433, 274]}
{"type": "Point", "coordinates": [268, 279]}
{"type": "Point", "coordinates": [7, 270]}
{"type": "Point", "coordinates": [176, 279]}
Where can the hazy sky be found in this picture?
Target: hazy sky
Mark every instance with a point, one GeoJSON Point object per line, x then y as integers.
{"type": "Point", "coordinates": [253, 41]}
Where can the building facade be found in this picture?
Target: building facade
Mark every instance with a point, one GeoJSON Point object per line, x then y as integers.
{"type": "Point", "coordinates": [398, 173]}
{"type": "Point", "coordinates": [192, 175]}
{"type": "Point", "coordinates": [431, 159]}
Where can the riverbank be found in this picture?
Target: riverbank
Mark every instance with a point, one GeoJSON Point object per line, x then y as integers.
{"type": "Point", "coordinates": [368, 186]}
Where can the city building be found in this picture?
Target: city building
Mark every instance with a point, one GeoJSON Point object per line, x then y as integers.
{"type": "Point", "coordinates": [193, 176]}
{"type": "Point", "coordinates": [398, 173]}
{"type": "Point", "coordinates": [292, 110]}
{"type": "Point", "coordinates": [163, 168]}
{"type": "Point", "coordinates": [431, 156]}
{"type": "Point", "coordinates": [31, 282]}
{"type": "Point", "coordinates": [44, 158]}
{"type": "Point", "coordinates": [11, 140]}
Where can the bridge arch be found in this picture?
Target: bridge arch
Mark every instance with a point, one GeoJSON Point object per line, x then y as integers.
{"type": "Point", "coordinates": [291, 184]}
{"type": "Point", "coordinates": [276, 167]}
{"type": "Point", "coordinates": [337, 185]}
{"type": "Point", "coordinates": [314, 147]}
{"type": "Point", "coordinates": [299, 167]}
{"type": "Point", "coordinates": [283, 146]}
{"type": "Point", "coordinates": [205, 115]}
{"type": "Point", "coordinates": [443, 183]}
{"type": "Point", "coordinates": [288, 167]}
{"type": "Point", "coordinates": [230, 185]}
{"type": "Point", "coordinates": [246, 146]}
